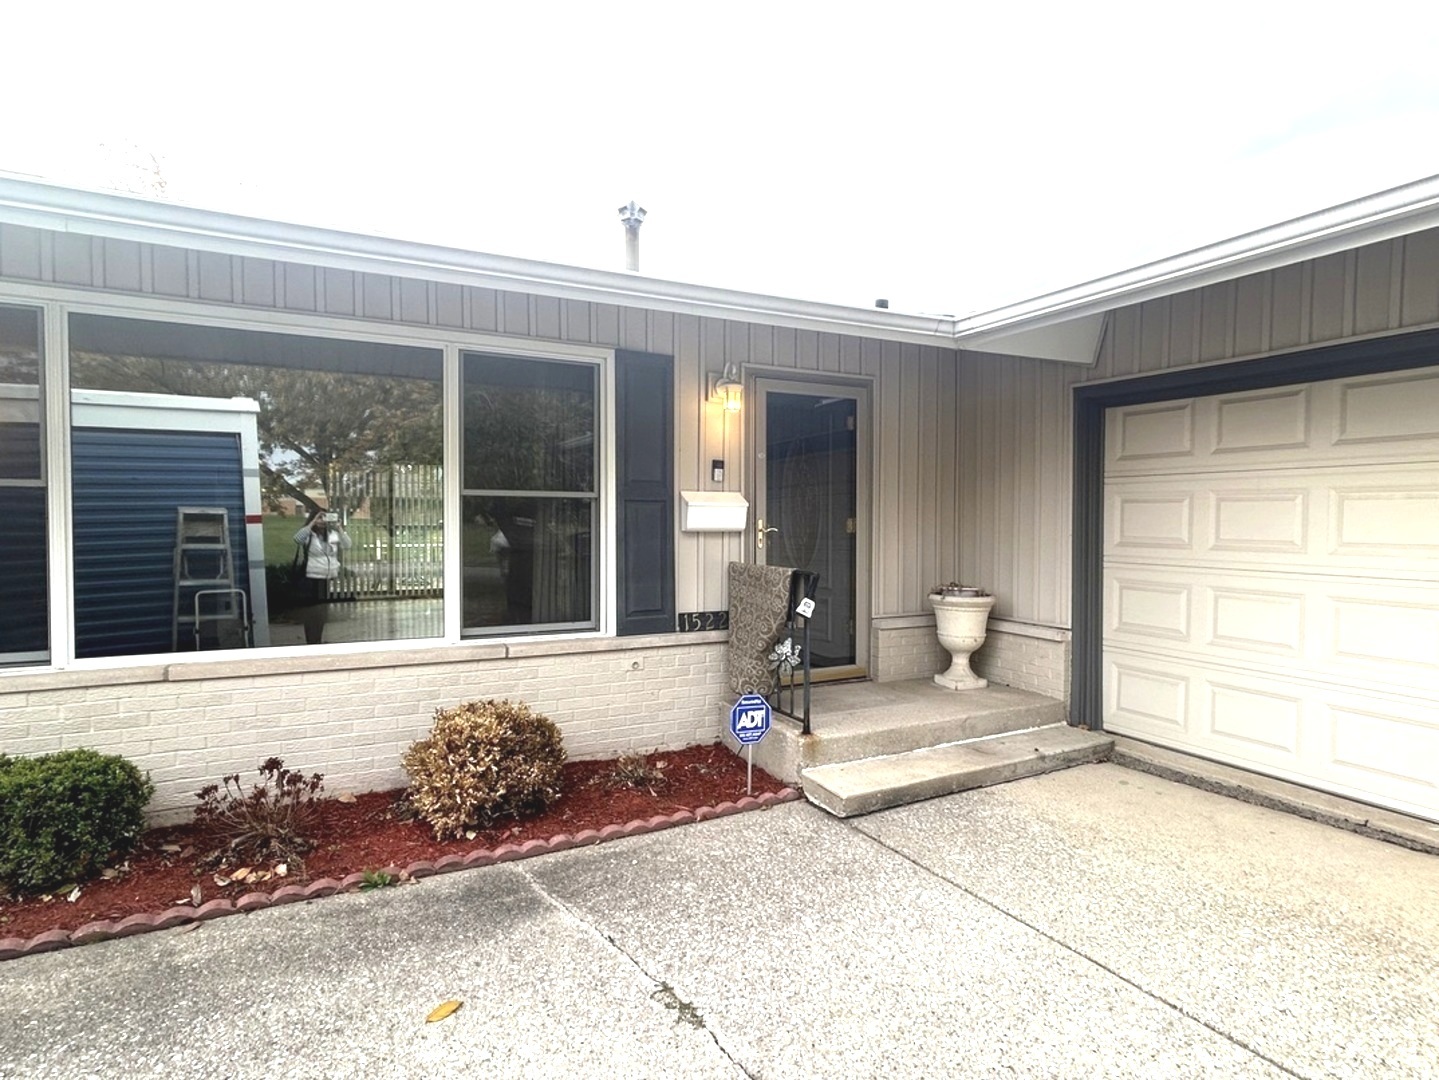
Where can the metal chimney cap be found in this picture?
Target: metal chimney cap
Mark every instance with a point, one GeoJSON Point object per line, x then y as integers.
{"type": "Point", "coordinates": [632, 215]}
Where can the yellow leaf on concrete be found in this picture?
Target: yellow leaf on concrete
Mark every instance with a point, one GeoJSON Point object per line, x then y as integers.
{"type": "Point", "coordinates": [442, 1011]}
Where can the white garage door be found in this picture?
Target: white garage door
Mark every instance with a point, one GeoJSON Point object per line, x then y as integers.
{"type": "Point", "coordinates": [1271, 582]}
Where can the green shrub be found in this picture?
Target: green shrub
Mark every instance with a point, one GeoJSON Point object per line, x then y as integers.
{"type": "Point", "coordinates": [268, 824]}
{"type": "Point", "coordinates": [63, 816]}
{"type": "Point", "coordinates": [484, 760]}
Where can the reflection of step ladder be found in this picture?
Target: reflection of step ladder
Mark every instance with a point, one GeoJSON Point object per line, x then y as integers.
{"type": "Point", "coordinates": [209, 611]}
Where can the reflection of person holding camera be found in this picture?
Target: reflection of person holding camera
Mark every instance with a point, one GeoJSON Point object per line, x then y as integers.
{"type": "Point", "coordinates": [323, 537]}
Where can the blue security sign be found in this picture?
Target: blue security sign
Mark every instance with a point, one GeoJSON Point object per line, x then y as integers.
{"type": "Point", "coordinates": [749, 719]}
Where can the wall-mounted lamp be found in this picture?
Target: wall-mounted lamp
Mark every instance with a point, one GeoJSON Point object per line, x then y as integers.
{"type": "Point", "coordinates": [726, 389]}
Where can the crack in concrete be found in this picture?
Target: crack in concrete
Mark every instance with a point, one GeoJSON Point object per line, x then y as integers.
{"type": "Point", "coordinates": [1173, 1005]}
{"type": "Point", "coordinates": [663, 993]}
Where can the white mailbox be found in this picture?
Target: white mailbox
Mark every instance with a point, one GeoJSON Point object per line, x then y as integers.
{"type": "Point", "coordinates": [713, 511]}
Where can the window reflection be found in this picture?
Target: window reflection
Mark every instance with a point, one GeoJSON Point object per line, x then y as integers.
{"type": "Point", "coordinates": [24, 596]}
{"type": "Point", "coordinates": [270, 428]}
{"type": "Point", "coordinates": [530, 496]}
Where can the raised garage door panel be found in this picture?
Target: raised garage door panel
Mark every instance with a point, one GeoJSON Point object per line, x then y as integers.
{"type": "Point", "coordinates": [1271, 584]}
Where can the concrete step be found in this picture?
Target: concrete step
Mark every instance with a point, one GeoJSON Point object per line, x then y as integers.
{"type": "Point", "coordinates": [850, 788]}
{"type": "Point", "coordinates": [868, 719]}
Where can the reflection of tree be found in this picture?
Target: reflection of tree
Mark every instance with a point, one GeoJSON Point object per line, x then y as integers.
{"type": "Point", "coordinates": [312, 424]}
{"type": "Point", "coordinates": [19, 368]}
{"type": "Point", "coordinates": [529, 439]}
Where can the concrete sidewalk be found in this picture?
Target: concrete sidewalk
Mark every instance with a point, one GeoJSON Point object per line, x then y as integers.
{"type": "Point", "coordinates": [1093, 922]}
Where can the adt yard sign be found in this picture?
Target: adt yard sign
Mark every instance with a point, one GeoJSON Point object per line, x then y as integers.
{"type": "Point", "coordinates": [749, 719]}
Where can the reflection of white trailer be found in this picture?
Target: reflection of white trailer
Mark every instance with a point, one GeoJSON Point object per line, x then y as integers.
{"type": "Point", "coordinates": [136, 458]}
{"type": "Point", "coordinates": [140, 422]}
{"type": "Point", "coordinates": [168, 447]}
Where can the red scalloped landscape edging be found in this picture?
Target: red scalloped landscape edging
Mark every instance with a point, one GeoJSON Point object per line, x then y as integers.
{"type": "Point", "coordinates": [13, 948]}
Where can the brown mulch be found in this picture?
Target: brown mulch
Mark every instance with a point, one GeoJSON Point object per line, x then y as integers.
{"type": "Point", "coordinates": [375, 831]}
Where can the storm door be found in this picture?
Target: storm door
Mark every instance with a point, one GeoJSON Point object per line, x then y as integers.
{"type": "Point", "coordinates": [811, 508]}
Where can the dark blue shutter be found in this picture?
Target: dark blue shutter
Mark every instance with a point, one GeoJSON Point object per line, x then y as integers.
{"type": "Point", "coordinates": [127, 487]}
{"type": "Point", "coordinates": [644, 451]}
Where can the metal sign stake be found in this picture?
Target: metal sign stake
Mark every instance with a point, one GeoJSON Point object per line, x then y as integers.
{"type": "Point", "coordinates": [749, 721]}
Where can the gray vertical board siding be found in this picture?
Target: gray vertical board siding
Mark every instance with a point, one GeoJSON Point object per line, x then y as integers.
{"type": "Point", "coordinates": [482, 309]}
{"type": "Point", "coordinates": [73, 260]}
{"type": "Point", "coordinates": [20, 254]}
{"type": "Point", "coordinates": [946, 455]}
{"type": "Point", "coordinates": [761, 346]}
{"type": "Point", "coordinates": [634, 327]}
{"type": "Point", "coordinates": [376, 297]}
{"type": "Point", "coordinates": [120, 265]}
{"type": "Point", "coordinates": [514, 314]}
{"type": "Point", "coordinates": [216, 278]}
{"type": "Point", "coordinates": [337, 292]}
{"type": "Point", "coordinates": [257, 283]}
{"type": "Point", "coordinates": [1419, 290]}
{"type": "Point", "coordinates": [300, 287]}
{"type": "Point", "coordinates": [605, 324]}
{"type": "Point", "coordinates": [690, 586]}
{"type": "Point", "coordinates": [1374, 288]}
{"type": "Point", "coordinates": [712, 424]}
{"type": "Point", "coordinates": [1012, 490]}
{"type": "Point", "coordinates": [910, 512]}
{"type": "Point", "coordinates": [930, 503]}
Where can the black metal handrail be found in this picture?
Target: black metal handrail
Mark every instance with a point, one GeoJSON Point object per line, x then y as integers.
{"type": "Point", "coordinates": [802, 586]}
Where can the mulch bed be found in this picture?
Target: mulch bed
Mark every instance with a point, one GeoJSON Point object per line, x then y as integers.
{"type": "Point", "coordinates": [161, 885]}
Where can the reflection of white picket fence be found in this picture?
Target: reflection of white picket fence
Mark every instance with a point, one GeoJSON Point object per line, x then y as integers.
{"type": "Point", "coordinates": [395, 518]}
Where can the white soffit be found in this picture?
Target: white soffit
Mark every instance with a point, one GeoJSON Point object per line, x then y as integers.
{"type": "Point", "coordinates": [1074, 341]}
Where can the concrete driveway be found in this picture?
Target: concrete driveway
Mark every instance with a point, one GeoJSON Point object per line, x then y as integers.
{"type": "Point", "coordinates": [1093, 922]}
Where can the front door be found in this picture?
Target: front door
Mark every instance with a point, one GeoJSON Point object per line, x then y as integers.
{"type": "Point", "coordinates": [812, 508]}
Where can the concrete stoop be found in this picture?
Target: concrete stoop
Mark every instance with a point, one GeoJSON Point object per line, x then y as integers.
{"type": "Point", "coordinates": [850, 788]}
{"type": "Point", "coordinates": [876, 745]}
{"type": "Point", "coordinates": [857, 720]}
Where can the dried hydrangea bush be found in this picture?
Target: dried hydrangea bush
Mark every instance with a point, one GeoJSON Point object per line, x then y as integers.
{"type": "Point", "coordinates": [484, 760]}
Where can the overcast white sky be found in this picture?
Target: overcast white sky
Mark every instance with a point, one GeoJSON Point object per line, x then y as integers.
{"type": "Point", "coordinates": [948, 157]}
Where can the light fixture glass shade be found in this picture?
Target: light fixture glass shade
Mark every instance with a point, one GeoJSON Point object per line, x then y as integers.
{"type": "Point", "coordinates": [727, 390]}
{"type": "Point", "coordinates": [732, 392]}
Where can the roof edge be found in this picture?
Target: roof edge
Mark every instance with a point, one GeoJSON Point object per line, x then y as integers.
{"type": "Point", "coordinates": [1370, 219]}
{"type": "Point", "coordinates": [45, 205]}
{"type": "Point", "coordinates": [1381, 216]}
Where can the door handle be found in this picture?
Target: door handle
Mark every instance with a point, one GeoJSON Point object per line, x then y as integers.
{"type": "Point", "coordinates": [760, 532]}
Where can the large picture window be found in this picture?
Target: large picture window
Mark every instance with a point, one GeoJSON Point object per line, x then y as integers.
{"type": "Point", "coordinates": [235, 488]}
{"type": "Point", "coordinates": [24, 624]}
{"type": "Point", "coordinates": [530, 493]}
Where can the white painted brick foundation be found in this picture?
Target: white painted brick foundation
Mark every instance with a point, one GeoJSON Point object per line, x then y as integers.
{"type": "Point", "coordinates": [350, 716]}
{"type": "Point", "coordinates": [1023, 655]}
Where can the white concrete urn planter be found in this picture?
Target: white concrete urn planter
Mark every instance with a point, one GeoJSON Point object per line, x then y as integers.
{"type": "Point", "coordinates": [961, 615]}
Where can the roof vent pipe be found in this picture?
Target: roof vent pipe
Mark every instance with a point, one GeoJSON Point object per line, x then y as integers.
{"type": "Point", "coordinates": [632, 217]}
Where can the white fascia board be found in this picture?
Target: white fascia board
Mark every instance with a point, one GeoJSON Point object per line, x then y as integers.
{"type": "Point", "coordinates": [1383, 216]}
{"type": "Point", "coordinates": [91, 213]}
